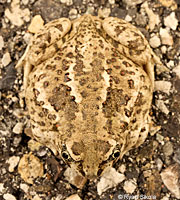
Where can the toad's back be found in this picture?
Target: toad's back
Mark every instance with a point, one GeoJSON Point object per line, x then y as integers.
{"type": "Point", "coordinates": [89, 98]}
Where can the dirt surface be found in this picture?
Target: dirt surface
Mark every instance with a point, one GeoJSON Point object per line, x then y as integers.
{"type": "Point", "coordinates": [142, 167]}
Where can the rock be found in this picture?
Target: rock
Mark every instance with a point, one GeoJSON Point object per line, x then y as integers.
{"type": "Point", "coordinates": [177, 155]}
{"type": "Point", "coordinates": [13, 161]}
{"type": "Point", "coordinates": [170, 177]}
{"type": "Point", "coordinates": [74, 178]}
{"type": "Point", "coordinates": [1, 42]}
{"type": "Point", "coordinates": [36, 197]}
{"type": "Point", "coordinates": [18, 128]}
{"type": "Point", "coordinates": [130, 186]}
{"type": "Point", "coordinates": [17, 140]}
{"type": "Point", "coordinates": [111, 1]}
{"type": "Point", "coordinates": [165, 198]}
{"type": "Point", "coordinates": [153, 18]}
{"type": "Point", "coordinates": [6, 83]}
{"type": "Point", "coordinates": [34, 145]}
{"type": "Point", "coordinates": [163, 86]}
{"type": "Point", "coordinates": [36, 24]}
{"type": "Point", "coordinates": [170, 64]}
{"type": "Point", "coordinates": [109, 179]}
{"type": "Point", "coordinates": [16, 15]}
{"type": "Point", "coordinates": [67, 2]}
{"type": "Point", "coordinates": [55, 167]}
{"type": "Point", "coordinates": [154, 185]}
{"type": "Point", "coordinates": [6, 59]}
{"type": "Point", "coordinates": [141, 20]}
{"type": "Point", "coordinates": [2, 187]}
{"type": "Point", "coordinates": [177, 71]}
{"type": "Point", "coordinates": [133, 2]}
{"type": "Point", "coordinates": [128, 18]}
{"type": "Point", "coordinates": [25, 2]}
{"type": "Point", "coordinates": [171, 21]}
{"type": "Point", "coordinates": [166, 38]}
{"type": "Point", "coordinates": [159, 164]}
{"type": "Point", "coordinates": [73, 197]}
{"type": "Point", "coordinates": [30, 168]}
{"type": "Point", "coordinates": [160, 138]}
{"type": "Point", "coordinates": [160, 104]}
{"type": "Point", "coordinates": [90, 10]}
{"type": "Point", "coordinates": [27, 37]}
{"type": "Point", "coordinates": [155, 41]}
{"type": "Point", "coordinates": [105, 12]}
{"type": "Point", "coordinates": [168, 149]}
{"type": "Point", "coordinates": [73, 14]}
{"type": "Point", "coordinates": [24, 187]}
{"type": "Point", "coordinates": [9, 197]}
{"type": "Point", "coordinates": [122, 168]}
{"type": "Point", "coordinates": [163, 49]}
{"type": "Point", "coordinates": [170, 4]}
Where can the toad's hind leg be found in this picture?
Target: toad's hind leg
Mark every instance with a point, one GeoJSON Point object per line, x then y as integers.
{"type": "Point", "coordinates": [43, 45]}
{"type": "Point", "coordinates": [132, 43]}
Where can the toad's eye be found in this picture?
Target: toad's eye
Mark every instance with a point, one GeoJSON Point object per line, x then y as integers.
{"type": "Point", "coordinates": [116, 154]}
{"type": "Point", "coordinates": [65, 155]}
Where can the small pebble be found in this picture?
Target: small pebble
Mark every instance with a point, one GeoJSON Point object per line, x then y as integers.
{"type": "Point", "coordinates": [132, 2]}
{"type": "Point", "coordinates": [16, 15]}
{"type": "Point", "coordinates": [13, 162]}
{"type": "Point", "coordinates": [34, 145]}
{"type": "Point", "coordinates": [6, 59]}
{"type": "Point", "coordinates": [160, 138]}
{"type": "Point", "coordinates": [169, 3]}
{"type": "Point", "coordinates": [160, 104]}
{"type": "Point", "coordinates": [111, 1]}
{"type": "Point", "coordinates": [171, 21]}
{"type": "Point", "coordinates": [75, 178]}
{"type": "Point", "coordinates": [170, 177]}
{"type": "Point", "coordinates": [36, 24]}
{"type": "Point", "coordinates": [163, 86]}
{"type": "Point", "coordinates": [30, 168]}
{"type": "Point", "coordinates": [2, 187]}
{"type": "Point", "coordinates": [155, 41]}
{"type": "Point", "coordinates": [166, 38]}
{"type": "Point", "coordinates": [9, 197]}
{"type": "Point", "coordinates": [163, 49]}
{"type": "Point", "coordinates": [130, 186]}
{"type": "Point", "coordinates": [122, 168]}
{"type": "Point", "coordinates": [17, 140]}
{"type": "Point", "coordinates": [18, 128]}
{"type": "Point", "coordinates": [90, 10]}
{"type": "Point", "coordinates": [110, 178]}
{"type": "Point", "coordinates": [177, 71]}
{"type": "Point", "coordinates": [25, 2]}
{"type": "Point", "coordinates": [168, 149]}
{"type": "Point", "coordinates": [170, 64]}
{"type": "Point", "coordinates": [73, 197]}
{"type": "Point", "coordinates": [128, 18]}
{"type": "Point", "coordinates": [153, 18]}
{"type": "Point", "coordinates": [177, 156]}
{"type": "Point", "coordinates": [159, 164]}
{"type": "Point", "coordinates": [67, 2]}
{"type": "Point", "coordinates": [1, 42]}
{"type": "Point", "coordinates": [73, 14]}
{"type": "Point", "coordinates": [105, 12]}
{"type": "Point", "coordinates": [36, 197]}
{"type": "Point", "coordinates": [24, 187]}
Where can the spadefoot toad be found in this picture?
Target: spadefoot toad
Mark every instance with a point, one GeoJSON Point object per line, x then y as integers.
{"type": "Point", "coordinates": [88, 87]}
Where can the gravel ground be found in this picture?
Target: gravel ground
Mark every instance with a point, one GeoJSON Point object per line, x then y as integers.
{"type": "Point", "coordinates": [149, 172]}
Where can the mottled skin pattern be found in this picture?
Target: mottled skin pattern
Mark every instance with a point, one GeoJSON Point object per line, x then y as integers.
{"type": "Point", "coordinates": [88, 86]}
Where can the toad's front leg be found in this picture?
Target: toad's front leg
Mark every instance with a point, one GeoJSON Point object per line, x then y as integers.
{"type": "Point", "coordinates": [43, 46]}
